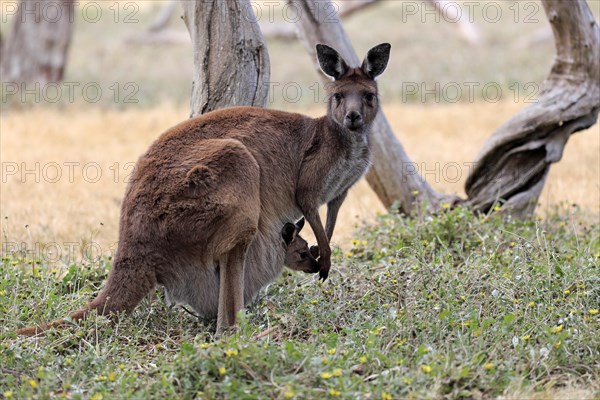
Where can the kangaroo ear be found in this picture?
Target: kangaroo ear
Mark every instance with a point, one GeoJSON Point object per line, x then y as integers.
{"type": "Point", "coordinates": [331, 62]}
{"type": "Point", "coordinates": [288, 233]}
{"type": "Point", "coordinates": [376, 60]}
{"type": "Point", "coordinates": [300, 224]}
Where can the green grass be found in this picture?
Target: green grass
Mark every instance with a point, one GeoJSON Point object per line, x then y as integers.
{"type": "Point", "coordinates": [452, 306]}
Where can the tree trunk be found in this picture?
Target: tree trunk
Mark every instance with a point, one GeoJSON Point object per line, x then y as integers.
{"type": "Point", "coordinates": [36, 50]}
{"type": "Point", "coordinates": [512, 166]}
{"type": "Point", "coordinates": [231, 62]}
{"type": "Point", "coordinates": [393, 175]}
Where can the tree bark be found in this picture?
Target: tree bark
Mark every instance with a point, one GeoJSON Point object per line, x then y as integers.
{"type": "Point", "coordinates": [393, 175]}
{"type": "Point", "coordinates": [37, 48]}
{"type": "Point", "coordinates": [231, 62]}
{"type": "Point", "coordinates": [513, 164]}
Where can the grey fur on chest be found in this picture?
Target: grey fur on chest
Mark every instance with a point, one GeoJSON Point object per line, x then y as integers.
{"type": "Point", "coordinates": [347, 171]}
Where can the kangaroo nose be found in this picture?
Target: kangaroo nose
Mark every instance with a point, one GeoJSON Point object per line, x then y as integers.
{"type": "Point", "coordinates": [354, 116]}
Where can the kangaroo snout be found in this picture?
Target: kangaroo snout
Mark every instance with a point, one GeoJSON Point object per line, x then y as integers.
{"type": "Point", "coordinates": [353, 120]}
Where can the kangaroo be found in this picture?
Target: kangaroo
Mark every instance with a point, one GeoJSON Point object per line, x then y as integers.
{"type": "Point", "coordinates": [216, 190]}
{"type": "Point", "coordinates": [298, 257]}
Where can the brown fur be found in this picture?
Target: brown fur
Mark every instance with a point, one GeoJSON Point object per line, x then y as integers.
{"type": "Point", "coordinates": [297, 258]}
{"type": "Point", "coordinates": [216, 190]}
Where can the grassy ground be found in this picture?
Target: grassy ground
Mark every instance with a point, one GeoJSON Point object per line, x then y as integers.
{"type": "Point", "coordinates": [455, 306]}
{"type": "Point", "coordinates": [452, 306]}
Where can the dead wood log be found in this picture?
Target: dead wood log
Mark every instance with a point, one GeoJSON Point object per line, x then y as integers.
{"type": "Point", "coordinates": [513, 164]}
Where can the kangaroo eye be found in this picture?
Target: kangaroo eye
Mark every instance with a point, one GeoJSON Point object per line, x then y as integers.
{"type": "Point", "coordinates": [338, 97]}
{"type": "Point", "coordinates": [303, 255]}
{"type": "Point", "coordinates": [369, 97]}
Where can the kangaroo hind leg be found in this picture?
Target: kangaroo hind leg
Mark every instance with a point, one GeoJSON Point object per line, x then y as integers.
{"type": "Point", "coordinates": [231, 286]}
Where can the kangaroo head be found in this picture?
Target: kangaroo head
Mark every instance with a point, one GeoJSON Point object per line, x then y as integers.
{"type": "Point", "coordinates": [352, 96]}
{"type": "Point", "coordinates": [298, 256]}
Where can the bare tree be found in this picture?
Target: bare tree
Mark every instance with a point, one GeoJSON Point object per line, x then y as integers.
{"type": "Point", "coordinates": [37, 48]}
{"type": "Point", "coordinates": [231, 62]}
{"type": "Point", "coordinates": [513, 164]}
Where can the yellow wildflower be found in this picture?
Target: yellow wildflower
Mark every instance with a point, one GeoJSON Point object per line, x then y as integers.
{"type": "Point", "coordinates": [426, 368]}
{"type": "Point", "coordinates": [377, 331]}
{"type": "Point", "coordinates": [289, 393]}
{"type": "Point", "coordinates": [33, 384]}
{"type": "Point", "coordinates": [337, 372]}
{"type": "Point", "coordinates": [386, 396]}
{"type": "Point", "coordinates": [222, 371]}
{"type": "Point", "coordinates": [326, 375]}
{"type": "Point", "coordinates": [334, 393]}
{"type": "Point", "coordinates": [362, 359]}
{"type": "Point", "coordinates": [231, 352]}
{"type": "Point", "coordinates": [557, 329]}
{"type": "Point", "coordinates": [332, 351]}
{"type": "Point", "coordinates": [593, 311]}
{"type": "Point", "coordinates": [488, 366]}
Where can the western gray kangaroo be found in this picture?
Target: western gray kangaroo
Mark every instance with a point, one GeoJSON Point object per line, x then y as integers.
{"type": "Point", "coordinates": [199, 286]}
{"type": "Point", "coordinates": [216, 189]}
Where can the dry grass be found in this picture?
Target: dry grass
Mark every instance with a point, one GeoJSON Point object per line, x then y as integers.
{"type": "Point", "coordinates": [39, 207]}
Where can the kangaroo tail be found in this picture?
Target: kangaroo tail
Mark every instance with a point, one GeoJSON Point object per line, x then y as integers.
{"type": "Point", "coordinates": [128, 283]}
{"type": "Point", "coordinates": [59, 323]}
